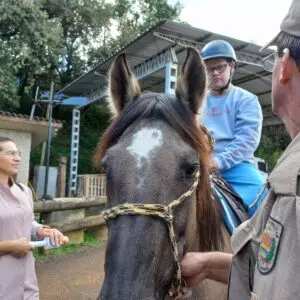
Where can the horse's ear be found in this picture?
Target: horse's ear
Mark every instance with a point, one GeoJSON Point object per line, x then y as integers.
{"type": "Point", "coordinates": [123, 85]}
{"type": "Point", "coordinates": [192, 82]}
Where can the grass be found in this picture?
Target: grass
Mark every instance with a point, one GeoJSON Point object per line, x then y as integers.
{"type": "Point", "coordinates": [89, 241]}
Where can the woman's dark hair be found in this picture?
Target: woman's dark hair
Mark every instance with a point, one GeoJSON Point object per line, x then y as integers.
{"type": "Point", "coordinates": [4, 139]}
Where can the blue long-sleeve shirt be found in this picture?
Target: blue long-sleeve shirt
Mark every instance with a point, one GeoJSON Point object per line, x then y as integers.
{"type": "Point", "coordinates": [235, 122]}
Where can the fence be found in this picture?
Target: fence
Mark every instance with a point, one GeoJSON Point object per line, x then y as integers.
{"type": "Point", "coordinates": [70, 206]}
{"type": "Point", "coordinates": [91, 185]}
{"type": "Point", "coordinates": [74, 215]}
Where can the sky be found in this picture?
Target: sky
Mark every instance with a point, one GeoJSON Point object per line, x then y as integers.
{"type": "Point", "coordinates": [255, 21]}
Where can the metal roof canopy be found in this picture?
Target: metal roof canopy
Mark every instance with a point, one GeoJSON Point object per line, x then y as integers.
{"type": "Point", "coordinates": [148, 53]}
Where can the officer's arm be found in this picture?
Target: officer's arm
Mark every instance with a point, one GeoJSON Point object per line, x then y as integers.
{"type": "Point", "coordinates": [197, 266]}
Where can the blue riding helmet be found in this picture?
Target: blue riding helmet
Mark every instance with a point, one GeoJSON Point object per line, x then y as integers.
{"type": "Point", "coordinates": [218, 49]}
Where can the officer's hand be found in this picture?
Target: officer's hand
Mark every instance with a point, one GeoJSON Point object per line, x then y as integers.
{"type": "Point", "coordinates": [194, 267]}
{"type": "Point", "coordinates": [197, 266]}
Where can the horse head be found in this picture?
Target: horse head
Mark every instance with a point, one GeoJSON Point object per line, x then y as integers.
{"type": "Point", "coordinates": [156, 160]}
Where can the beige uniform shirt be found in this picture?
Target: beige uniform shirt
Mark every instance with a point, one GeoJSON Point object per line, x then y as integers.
{"type": "Point", "coordinates": [17, 275]}
{"type": "Point", "coordinates": [266, 263]}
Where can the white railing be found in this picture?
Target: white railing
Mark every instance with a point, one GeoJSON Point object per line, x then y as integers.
{"type": "Point", "coordinates": [91, 185]}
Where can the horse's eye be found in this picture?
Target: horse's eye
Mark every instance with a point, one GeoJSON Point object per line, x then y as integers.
{"type": "Point", "coordinates": [191, 170]}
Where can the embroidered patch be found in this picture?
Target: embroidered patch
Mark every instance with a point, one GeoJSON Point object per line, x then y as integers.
{"type": "Point", "coordinates": [269, 246]}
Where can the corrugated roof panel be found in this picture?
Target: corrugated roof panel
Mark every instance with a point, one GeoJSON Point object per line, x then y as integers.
{"type": "Point", "coordinates": [147, 45]}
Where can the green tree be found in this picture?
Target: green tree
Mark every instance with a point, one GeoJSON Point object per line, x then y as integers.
{"type": "Point", "coordinates": [83, 23]}
{"type": "Point", "coordinates": [30, 45]}
{"type": "Point", "coordinates": [58, 40]}
{"type": "Point", "coordinates": [273, 143]}
{"type": "Point", "coordinates": [130, 19]}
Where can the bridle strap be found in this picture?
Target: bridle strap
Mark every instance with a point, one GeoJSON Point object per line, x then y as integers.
{"type": "Point", "coordinates": [163, 212]}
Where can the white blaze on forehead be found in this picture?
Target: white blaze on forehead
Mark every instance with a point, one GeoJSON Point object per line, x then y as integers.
{"type": "Point", "coordinates": [143, 143]}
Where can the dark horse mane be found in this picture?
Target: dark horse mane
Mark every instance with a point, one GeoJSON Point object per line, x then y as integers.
{"type": "Point", "coordinates": [180, 117]}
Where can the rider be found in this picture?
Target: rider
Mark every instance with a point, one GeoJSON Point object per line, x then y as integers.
{"type": "Point", "coordinates": [234, 118]}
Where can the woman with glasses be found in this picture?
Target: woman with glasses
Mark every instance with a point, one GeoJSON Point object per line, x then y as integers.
{"type": "Point", "coordinates": [234, 118]}
{"type": "Point", "coordinates": [17, 228]}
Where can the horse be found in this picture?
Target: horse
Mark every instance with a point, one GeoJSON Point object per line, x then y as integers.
{"type": "Point", "coordinates": [159, 204]}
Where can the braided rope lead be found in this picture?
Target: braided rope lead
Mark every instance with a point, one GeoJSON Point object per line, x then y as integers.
{"type": "Point", "coordinates": [162, 212]}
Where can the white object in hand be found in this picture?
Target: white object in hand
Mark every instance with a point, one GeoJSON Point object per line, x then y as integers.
{"type": "Point", "coordinates": [46, 243]}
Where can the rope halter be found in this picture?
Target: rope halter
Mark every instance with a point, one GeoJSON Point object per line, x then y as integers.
{"type": "Point", "coordinates": [165, 213]}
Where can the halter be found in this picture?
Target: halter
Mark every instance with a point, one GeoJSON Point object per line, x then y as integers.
{"type": "Point", "coordinates": [165, 213]}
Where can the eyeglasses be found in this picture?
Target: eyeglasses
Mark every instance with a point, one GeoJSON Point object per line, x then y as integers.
{"type": "Point", "coordinates": [219, 68]}
{"type": "Point", "coordinates": [268, 62]}
{"type": "Point", "coordinates": [12, 153]}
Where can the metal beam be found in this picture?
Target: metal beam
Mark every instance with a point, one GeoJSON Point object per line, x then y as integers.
{"type": "Point", "coordinates": [96, 94]}
{"type": "Point", "coordinates": [241, 57]}
{"type": "Point", "coordinates": [152, 65]}
{"type": "Point", "coordinates": [155, 63]}
{"type": "Point", "coordinates": [263, 93]}
{"type": "Point", "coordinates": [241, 47]}
{"type": "Point", "coordinates": [242, 65]}
{"type": "Point", "coordinates": [251, 77]}
{"type": "Point", "coordinates": [248, 59]}
{"type": "Point", "coordinates": [204, 38]}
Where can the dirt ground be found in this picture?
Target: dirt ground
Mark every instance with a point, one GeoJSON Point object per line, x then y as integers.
{"type": "Point", "coordinates": [77, 276]}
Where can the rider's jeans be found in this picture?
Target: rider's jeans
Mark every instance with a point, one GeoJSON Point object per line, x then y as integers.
{"type": "Point", "coordinates": [247, 181]}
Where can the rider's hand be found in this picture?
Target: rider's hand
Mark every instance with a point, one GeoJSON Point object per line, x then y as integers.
{"type": "Point", "coordinates": [20, 247]}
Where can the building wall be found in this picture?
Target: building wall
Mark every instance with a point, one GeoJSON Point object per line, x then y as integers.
{"type": "Point", "coordinates": [23, 141]}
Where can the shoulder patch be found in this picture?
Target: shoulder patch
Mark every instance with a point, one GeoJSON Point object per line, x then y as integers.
{"type": "Point", "coordinates": [269, 245]}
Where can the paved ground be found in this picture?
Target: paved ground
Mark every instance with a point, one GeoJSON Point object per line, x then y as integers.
{"type": "Point", "coordinates": [77, 276]}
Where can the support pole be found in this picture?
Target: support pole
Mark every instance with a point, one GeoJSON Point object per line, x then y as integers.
{"type": "Point", "coordinates": [62, 174]}
{"type": "Point", "coordinates": [43, 153]}
{"type": "Point", "coordinates": [74, 152]}
{"type": "Point", "coordinates": [48, 151]}
{"type": "Point", "coordinates": [171, 78]}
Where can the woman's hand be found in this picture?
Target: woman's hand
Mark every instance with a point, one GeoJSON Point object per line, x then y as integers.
{"type": "Point", "coordinates": [55, 236]}
{"type": "Point", "coordinates": [20, 247]}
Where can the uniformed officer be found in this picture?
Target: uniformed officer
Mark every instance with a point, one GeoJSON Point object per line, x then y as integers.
{"type": "Point", "coordinates": [266, 264]}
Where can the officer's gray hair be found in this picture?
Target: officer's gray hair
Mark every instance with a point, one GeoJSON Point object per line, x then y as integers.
{"type": "Point", "coordinates": [291, 42]}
